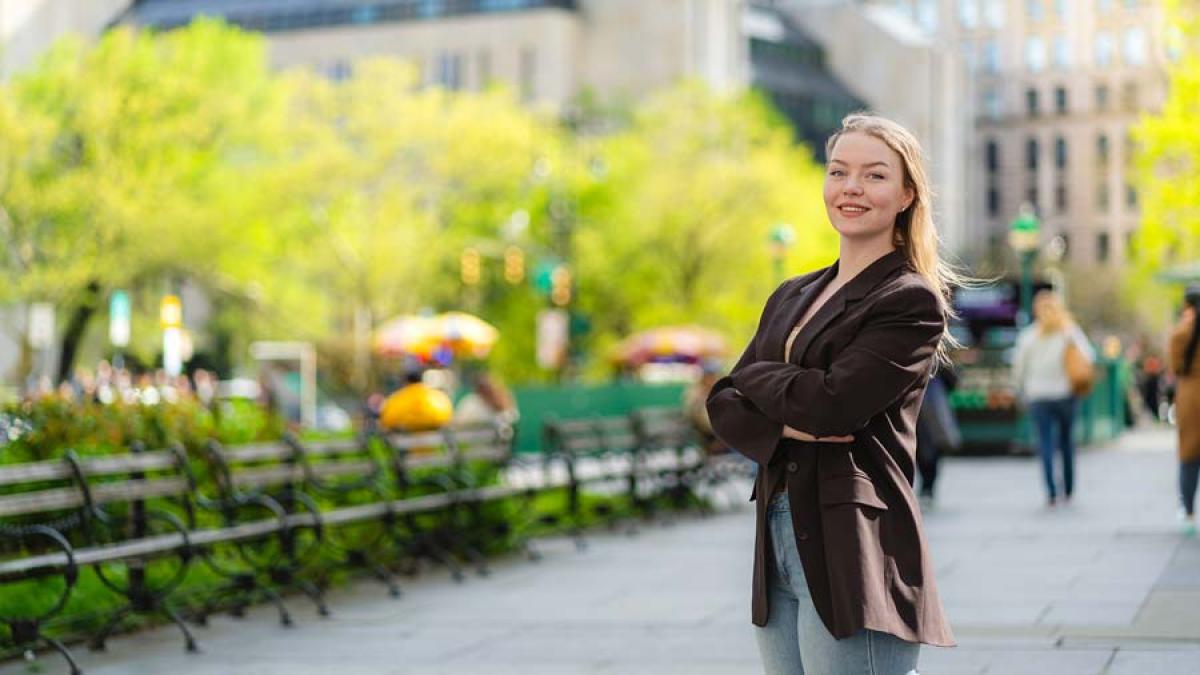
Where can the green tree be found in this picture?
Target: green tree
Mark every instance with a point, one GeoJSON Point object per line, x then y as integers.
{"type": "Point", "coordinates": [138, 163]}
{"type": "Point", "coordinates": [680, 230]}
{"type": "Point", "coordinates": [1167, 167]}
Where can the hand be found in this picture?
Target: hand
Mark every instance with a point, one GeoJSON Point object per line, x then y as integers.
{"type": "Point", "coordinates": [797, 435]}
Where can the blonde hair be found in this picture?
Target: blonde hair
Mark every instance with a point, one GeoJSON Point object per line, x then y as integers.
{"type": "Point", "coordinates": [1050, 313]}
{"type": "Point", "coordinates": [915, 233]}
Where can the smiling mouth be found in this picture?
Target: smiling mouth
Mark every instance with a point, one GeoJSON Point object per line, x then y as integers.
{"type": "Point", "coordinates": [853, 210]}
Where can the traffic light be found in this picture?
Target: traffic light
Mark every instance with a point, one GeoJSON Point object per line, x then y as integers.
{"type": "Point", "coordinates": [514, 265]}
{"type": "Point", "coordinates": [560, 291]}
{"type": "Point", "coordinates": [470, 266]}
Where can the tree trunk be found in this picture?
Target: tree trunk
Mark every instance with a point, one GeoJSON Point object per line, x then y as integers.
{"type": "Point", "coordinates": [77, 328]}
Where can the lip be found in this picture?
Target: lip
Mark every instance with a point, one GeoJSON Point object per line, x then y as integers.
{"type": "Point", "coordinates": [852, 214]}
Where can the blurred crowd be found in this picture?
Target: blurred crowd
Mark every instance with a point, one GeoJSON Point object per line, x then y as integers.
{"type": "Point", "coordinates": [107, 384]}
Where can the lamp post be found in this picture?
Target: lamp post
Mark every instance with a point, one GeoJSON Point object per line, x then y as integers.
{"type": "Point", "coordinates": [780, 240]}
{"type": "Point", "coordinates": [1023, 237]}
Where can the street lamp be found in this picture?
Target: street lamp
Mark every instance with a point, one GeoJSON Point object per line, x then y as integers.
{"type": "Point", "coordinates": [1023, 238]}
{"type": "Point", "coordinates": [781, 238]}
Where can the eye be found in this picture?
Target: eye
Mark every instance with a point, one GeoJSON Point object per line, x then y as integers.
{"type": "Point", "coordinates": [836, 172]}
{"type": "Point", "coordinates": [876, 176]}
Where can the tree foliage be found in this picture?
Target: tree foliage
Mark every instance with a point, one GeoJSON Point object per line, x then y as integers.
{"type": "Point", "coordinates": [305, 207]}
{"type": "Point", "coordinates": [1168, 172]}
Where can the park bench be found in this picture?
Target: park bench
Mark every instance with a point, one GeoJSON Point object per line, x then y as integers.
{"type": "Point", "coordinates": [124, 516]}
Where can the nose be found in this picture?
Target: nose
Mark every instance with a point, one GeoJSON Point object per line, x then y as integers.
{"type": "Point", "coordinates": [852, 186]}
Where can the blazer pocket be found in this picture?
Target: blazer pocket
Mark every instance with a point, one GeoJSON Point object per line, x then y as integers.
{"type": "Point", "coordinates": [852, 489]}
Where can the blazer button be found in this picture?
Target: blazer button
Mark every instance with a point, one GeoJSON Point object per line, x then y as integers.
{"type": "Point", "coordinates": [792, 466]}
{"type": "Point", "coordinates": [802, 536]}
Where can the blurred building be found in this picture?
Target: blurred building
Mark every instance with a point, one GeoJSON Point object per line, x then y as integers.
{"type": "Point", "coordinates": [899, 70]}
{"type": "Point", "coordinates": [548, 50]}
{"type": "Point", "coordinates": [28, 27]}
{"type": "Point", "coordinates": [1054, 88]}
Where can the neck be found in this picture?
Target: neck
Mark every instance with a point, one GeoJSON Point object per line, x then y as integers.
{"type": "Point", "coordinates": [857, 255]}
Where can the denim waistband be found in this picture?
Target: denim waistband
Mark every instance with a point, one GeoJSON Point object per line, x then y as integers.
{"type": "Point", "coordinates": [779, 504]}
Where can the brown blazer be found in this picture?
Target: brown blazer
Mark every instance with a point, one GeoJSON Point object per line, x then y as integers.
{"type": "Point", "coordinates": [859, 366]}
{"type": "Point", "coordinates": [1187, 391]}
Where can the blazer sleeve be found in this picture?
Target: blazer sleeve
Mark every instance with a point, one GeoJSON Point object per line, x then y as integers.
{"type": "Point", "coordinates": [735, 419]}
{"type": "Point", "coordinates": [889, 355]}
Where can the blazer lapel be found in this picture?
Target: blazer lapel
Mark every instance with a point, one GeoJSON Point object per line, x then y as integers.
{"type": "Point", "coordinates": [854, 290]}
{"type": "Point", "coordinates": [792, 309]}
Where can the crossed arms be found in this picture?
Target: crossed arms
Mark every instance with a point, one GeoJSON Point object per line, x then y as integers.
{"type": "Point", "coordinates": [760, 402]}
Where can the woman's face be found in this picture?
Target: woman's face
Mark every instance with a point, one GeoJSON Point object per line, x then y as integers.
{"type": "Point", "coordinates": [864, 187]}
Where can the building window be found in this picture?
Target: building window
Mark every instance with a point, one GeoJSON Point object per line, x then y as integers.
{"type": "Point", "coordinates": [991, 57]}
{"type": "Point", "coordinates": [1131, 197]}
{"type": "Point", "coordinates": [1035, 54]}
{"type": "Point", "coordinates": [1033, 10]}
{"type": "Point", "coordinates": [993, 201]}
{"type": "Point", "coordinates": [1102, 251]}
{"type": "Point", "coordinates": [1031, 196]}
{"type": "Point", "coordinates": [968, 13]}
{"type": "Point", "coordinates": [1060, 100]}
{"type": "Point", "coordinates": [1060, 152]}
{"type": "Point", "coordinates": [1060, 9]}
{"type": "Point", "coordinates": [1104, 49]}
{"type": "Point", "coordinates": [1031, 154]}
{"type": "Point", "coordinates": [1031, 102]}
{"type": "Point", "coordinates": [528, 74]}
{"type": "Point", "coordinates": [1060, 198]}
{"type": "Point", "coordinates": [483, 68]}
{"type": "Point", "coordinates": [993, 156]}
{"type": "Point", "coordinates": [1129, 96]}
{"type": "Point", "coordinates": [993, 13]}
{"type": "Point", "coordinates": [927, 15]}
{"type": "Point", "coordinates": [1101, 97]}
{"type": "Point", "coordinates": [1133, 46]}
{"type": "Point", "coordinates": [449, 70]}
{"type": "Point", "coordinates": [993, 104]}
{"type": "Point", "coordinates": [340, 71]}
{"type": "Point", "coordinates": [1062, 52]}
{"type": "Point", "coordinates": [1102, 149]}
{"type": "Point", "coordinates": [1102, 197]}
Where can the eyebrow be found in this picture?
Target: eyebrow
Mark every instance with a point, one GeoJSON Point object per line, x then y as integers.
{"type": "Point", "coordinates": [883, 164]}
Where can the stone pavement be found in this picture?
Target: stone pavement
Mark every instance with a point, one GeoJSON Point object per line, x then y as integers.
{"type": "Point", "coordinates": [1105, 585]}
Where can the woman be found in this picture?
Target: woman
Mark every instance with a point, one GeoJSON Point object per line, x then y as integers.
{"type": "Point", "coordinates": [1182, 354]}
{"type": "Point", "coordinates": [825, 401]}
{"type": "Point", "coordinates": [1040, 377]}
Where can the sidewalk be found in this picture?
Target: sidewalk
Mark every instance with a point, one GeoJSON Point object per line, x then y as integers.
{"type": "Point", "coordinates": [1102, 586]}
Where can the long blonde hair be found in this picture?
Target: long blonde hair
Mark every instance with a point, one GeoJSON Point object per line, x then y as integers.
{"type": "Point", "coordinates": [915, 234]}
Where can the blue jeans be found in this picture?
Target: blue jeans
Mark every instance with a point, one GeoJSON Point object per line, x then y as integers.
{"type": "Point", "coordinates": [1054, 420]}
{"type": "Point", "coordinates": [795, 641]}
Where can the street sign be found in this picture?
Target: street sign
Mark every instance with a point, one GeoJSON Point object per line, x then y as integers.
{"type": "Point", "coordinates": [119, 312]}
{"type": "Point", "coordinates": [552, 335]}
{"type": "Point", "coordinates": [41, 325]}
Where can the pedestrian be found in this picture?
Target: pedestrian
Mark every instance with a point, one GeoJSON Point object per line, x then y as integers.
{"type": "Point", "coordinates": [937, 429]}
{"type": "Point", "coordinates": [1182, 353]}
{"type": "Point", "coordinates": [825, 400]}
{"type": "Point", "coordinates": [1042, 381]}
{"type": "Point", "coordinates": [488, 401]}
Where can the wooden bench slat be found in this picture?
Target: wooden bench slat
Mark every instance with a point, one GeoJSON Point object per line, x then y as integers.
{"type": "Point", "coordinates": [128, 463]}
{"type": "Point", "coordinates": [257, 452]}
{"type": "Point", "coordinates": [132, 490]}
{"type": "Point", "coordinates": [15, 474]}
{"type": "Point", "coordinates": [54, 499]}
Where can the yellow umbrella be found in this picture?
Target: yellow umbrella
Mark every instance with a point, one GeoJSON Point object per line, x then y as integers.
{"type": "Point", "coordinates": [466, 334]}
{"type": "Point", "coordinates": [462, 334]}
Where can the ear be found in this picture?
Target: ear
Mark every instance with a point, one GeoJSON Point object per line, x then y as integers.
{"type": "Point", "coordinates": [909, 198]}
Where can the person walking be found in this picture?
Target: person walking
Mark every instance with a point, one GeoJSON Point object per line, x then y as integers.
{"type": "Point", "coordinates": [824, 400]}
{"type": "Point", "coordinates": [937, 429]}
{"type": "Point", "coordinates": [1042, 381]}
{"type": "Point", "coordinates": [1181, 351]}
